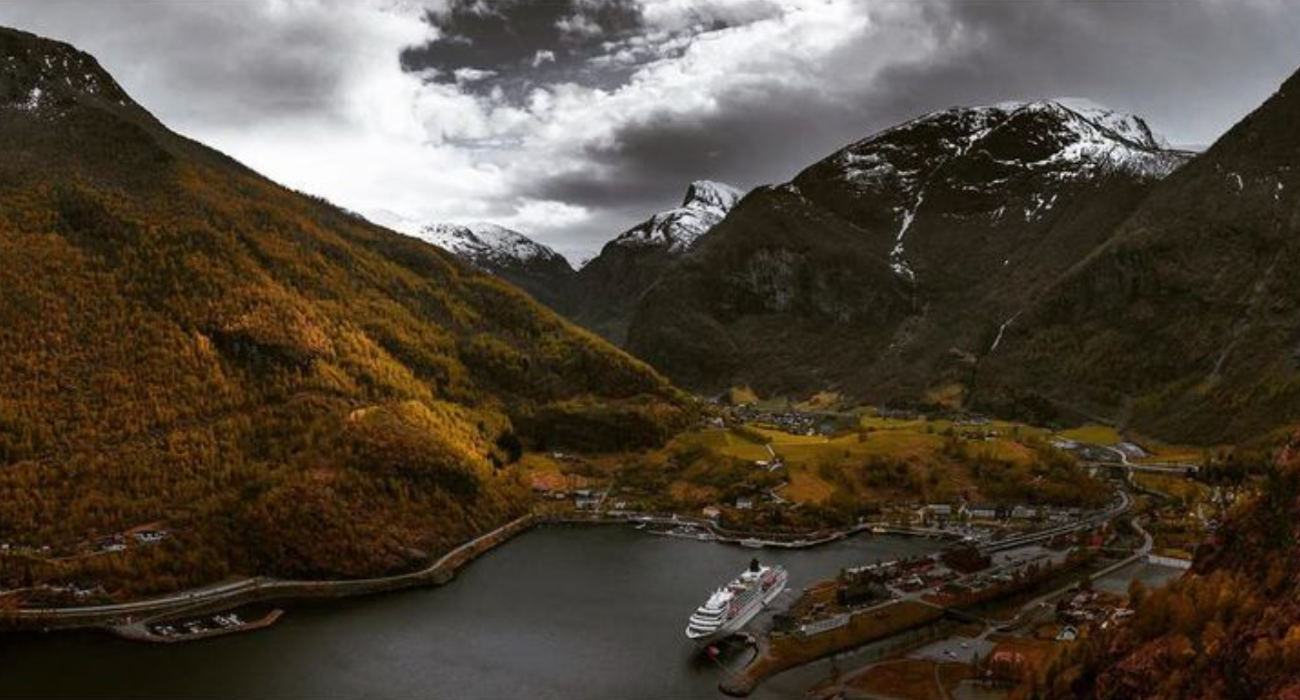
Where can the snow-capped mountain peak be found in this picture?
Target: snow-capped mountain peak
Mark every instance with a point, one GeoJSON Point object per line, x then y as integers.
{"type": "Point", "coordinates": [487, 245]}
{"type": "Point", "coordinates": [1003, 157]}
{"type": "Point", "coordinates": [1128, 126]}
{"type": "Point", "coordinates": [708, 193]}
{"type": "Point", "coordinates": [705, 205]}
{"type": "Point", "coordinates": [1062, 131]}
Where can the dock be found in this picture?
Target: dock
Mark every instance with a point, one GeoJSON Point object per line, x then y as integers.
{"type": "Point", "coordinates": [156, 631]}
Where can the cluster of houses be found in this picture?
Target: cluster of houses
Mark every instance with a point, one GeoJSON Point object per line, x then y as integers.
{"type": "Point", "coordinates": [904, 575]}
{"type": "Point", "coordinates": [741, 503]}
{"type": "Point", "coordinates": [947, 512]}
{"type": "Point", "coordinates": [1088, 608]}
{"type": "Point", "coordinates": [118, 542]}
{"type": "Point", "coordinates": [790, 421]}
{"type": "Point", "coordinates": [73, 590]}
{"type": "Point", "coordinates": [592, 499]}
{"type": "Point", "coordinates": [23, 549]}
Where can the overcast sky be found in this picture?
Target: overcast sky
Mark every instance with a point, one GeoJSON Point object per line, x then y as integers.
{"type": "Point", "coordinates": [573, 119]}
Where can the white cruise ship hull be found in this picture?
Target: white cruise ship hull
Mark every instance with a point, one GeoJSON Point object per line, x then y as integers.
{"type": "Point", "coordinates": [736, 623]}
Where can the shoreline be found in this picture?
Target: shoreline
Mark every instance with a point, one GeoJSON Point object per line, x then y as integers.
{"type": "Point", "coordinates": [218, 597]}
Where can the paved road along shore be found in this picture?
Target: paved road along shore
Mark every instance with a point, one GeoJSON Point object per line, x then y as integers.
{"type": "Point", "coordinates": [249, 590]}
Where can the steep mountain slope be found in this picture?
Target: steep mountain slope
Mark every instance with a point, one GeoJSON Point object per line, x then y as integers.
{"type": "Point", "coordinates": [514, 257]}
{"type": "Point", "coordinates": [1185, 321]}
{"type": "Point", "coordinates": [888, 268]}
{"type": "Point", "coordinates": [285, 387]}
{"type": "Point", "coordinates": [605, 291]}
{"type": "Point", "coordinates": [1229, 628]}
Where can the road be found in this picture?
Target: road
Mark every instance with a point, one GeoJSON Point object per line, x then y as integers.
{"type": "Point", "coordinates": [264, 586]}
{"type": "Point", "coordinates": [1031, 607]}
{"type": "Point", "coordinates": [1152, 467]}
{"type": "Point", "coordinates": [1123, 502]}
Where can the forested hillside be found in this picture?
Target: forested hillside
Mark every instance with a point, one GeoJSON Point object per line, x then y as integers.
{"type": "Point", "coordinates": [281, 386]}
{"type": "Point", "coordinates": [1230, 628]}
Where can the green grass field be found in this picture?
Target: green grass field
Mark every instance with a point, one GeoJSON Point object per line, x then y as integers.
{"type": "Point", "coordinates": [879, 461]}
{"type": "Point", "coordinates": [811, 461]}
{"type": "Point", "coordinates": [1093, 433]}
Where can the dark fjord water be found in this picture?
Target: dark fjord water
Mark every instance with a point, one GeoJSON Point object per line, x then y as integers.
{"type": "Point", "coordinates": [563, 613]}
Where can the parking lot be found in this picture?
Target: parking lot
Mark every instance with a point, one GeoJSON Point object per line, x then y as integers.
{"type": "Point", "coordinates": [954, 649]}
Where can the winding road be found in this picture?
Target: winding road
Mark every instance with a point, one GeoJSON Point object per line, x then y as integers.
{"type": "Point", "coordinates": [262, 587]}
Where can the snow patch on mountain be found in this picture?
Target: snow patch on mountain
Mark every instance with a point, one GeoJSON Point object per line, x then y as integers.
{"type": "Point", "coordinates": [1050, 141]}
{"type": "Point", "coordinates": [38, 72]}
{"type": "Point", "coordinates": [897, 257]}
{"type": "Point", "coordinates": [706, 204]}
{"type": "Point", "coordinates": [1086, 136]}
{"type": "Point", "coordinates": [485, 244]}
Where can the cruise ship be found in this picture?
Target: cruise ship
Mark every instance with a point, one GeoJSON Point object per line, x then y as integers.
{"type": "Point", "coordinates": [732, 607]}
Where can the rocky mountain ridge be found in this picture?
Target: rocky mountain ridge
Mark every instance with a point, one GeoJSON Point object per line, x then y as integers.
{"type": "Point", "coordinates": [533, 267]}
{"type": "Point", "coordinates": [888, 268]}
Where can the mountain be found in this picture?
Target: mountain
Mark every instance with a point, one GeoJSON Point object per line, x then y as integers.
{"type": "Point", "coordinates": [514, 257]}
{"type": "Point", "coordinates": [706, 203]}
{"type": "Point", "coordinates": [602, 294]}
{"type": "Point", "coordinates": [887, 269]}
{"type": "Point", "coordinates": [1184, 321]}
{"type": "Point", "coordinates": [605, 291]}
{"type": "Point", "coordinates": [285, 387]}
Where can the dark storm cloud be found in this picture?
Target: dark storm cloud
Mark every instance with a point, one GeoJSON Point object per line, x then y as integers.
{"type": "Point", "coordinates": [512, 44]}
{"type": "Point", "coordinates": [1192, 68]}
{"type": "Point", "coordinates": [205, 63]}
{"type": "Point", "coordinates": [510, 47]}
{"type": "Point", "coordinates": [630, 103]}
{"type": "Point", "coordinates": [744, 144]}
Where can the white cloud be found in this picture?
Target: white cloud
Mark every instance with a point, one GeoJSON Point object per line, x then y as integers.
{"type": "Point", "coordinates": [679, 75]}
{"type": "Point", "coordinates": [312, 92]}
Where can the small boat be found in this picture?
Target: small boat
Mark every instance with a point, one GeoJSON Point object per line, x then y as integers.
{"type": "Point", "coordinates": [752, 543]}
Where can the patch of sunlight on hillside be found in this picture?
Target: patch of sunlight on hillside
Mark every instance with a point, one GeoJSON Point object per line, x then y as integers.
{"type": "Point", "coordinates": [1093, 433]}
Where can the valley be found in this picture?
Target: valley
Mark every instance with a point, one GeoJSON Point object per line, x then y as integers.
{"type": "Point", "coordinates": [999, 401]}
{"type": "Point", "coordinates": [1008, 512]}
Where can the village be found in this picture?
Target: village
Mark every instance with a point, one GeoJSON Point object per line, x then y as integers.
{"type": "Point", "coordinates": [20, 558]}
{"type": "Point", "coordinates": [1017, 581]}
{"type": "Point", "coordinates": [1015, 578]}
